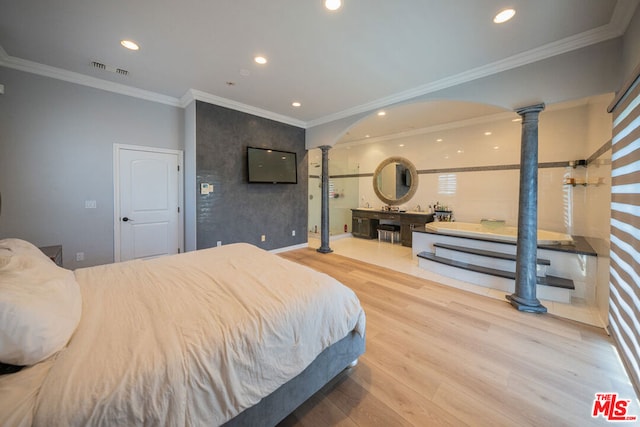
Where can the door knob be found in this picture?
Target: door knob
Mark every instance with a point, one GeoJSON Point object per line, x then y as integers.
{"type": "Point", "coordinates": [125, 219]}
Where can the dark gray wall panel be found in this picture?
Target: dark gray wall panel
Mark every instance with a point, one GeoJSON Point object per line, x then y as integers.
{"type": "Point", "coordinates": [237, 211]}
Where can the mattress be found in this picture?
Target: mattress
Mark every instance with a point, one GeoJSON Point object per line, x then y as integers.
{"type": "Point", "coordinates": [190, 339]}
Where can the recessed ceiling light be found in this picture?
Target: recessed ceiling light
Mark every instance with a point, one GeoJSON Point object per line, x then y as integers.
{"type": "Point", "coordinates": [487, 133]}
{"type": "Point", "coordinates": [332, 4]}
{"type": "Point", "coordinates": [460, 151]}
{"type": "Point", "coordinates": [296, 104]}
{"type": "Point", "coordinates": [401, 145]}
{"type": "Point", "coordinates": [382, 113]}
{"type": "Point", "coordinates": [260, 60]}
{"type": "Point", "coordinates": [439, 140]}
{"type": "Point", "coordinates": [504, 16]}
{"type": "Point", "coordinates": [495, 147]}
{"type": "Point", "coordinates": [367, 136]}
{"type": "Point", "coordinates": [129, 44]}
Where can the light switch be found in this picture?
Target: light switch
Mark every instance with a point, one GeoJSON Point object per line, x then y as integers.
{"type": "Point", "coordinates": [206, 188]}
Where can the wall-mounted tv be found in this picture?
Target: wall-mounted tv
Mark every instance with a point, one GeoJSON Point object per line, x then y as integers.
{"type": "Point", "coordinates": [271, 166]}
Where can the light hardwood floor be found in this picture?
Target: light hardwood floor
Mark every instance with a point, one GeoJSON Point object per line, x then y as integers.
{"type": "Point", "coordinates": [441, 356]}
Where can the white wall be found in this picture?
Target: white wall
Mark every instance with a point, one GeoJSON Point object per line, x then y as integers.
{"type": "Point", "coordinates": [567, 132]}
{"type": "Point", "coordinates": [56, 149]}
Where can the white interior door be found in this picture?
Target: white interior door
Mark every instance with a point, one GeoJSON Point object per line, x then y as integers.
{"type": "Point", "coordinates": [148, 203]}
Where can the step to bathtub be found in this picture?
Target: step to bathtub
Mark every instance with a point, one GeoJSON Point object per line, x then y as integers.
{"type": "Point", "coordinates": [486, 258]}
{"type": "Point", "coordinates": [553, 281]}
{"type": "Point", "coordinates": [486, 253]}
{"type": "Point", "coordinates": [549, 288]}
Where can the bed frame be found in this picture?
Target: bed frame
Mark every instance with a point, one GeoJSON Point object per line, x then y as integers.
{"type": "Point", "coordinates": [282, 402]}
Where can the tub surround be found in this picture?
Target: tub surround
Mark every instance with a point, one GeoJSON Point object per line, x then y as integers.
{"type": "Point", "coordinates": [500, 233]}
{"type": "Point", "coordinates": [562, 271]}
{"type": "Point", "coordinates": [581, 245]}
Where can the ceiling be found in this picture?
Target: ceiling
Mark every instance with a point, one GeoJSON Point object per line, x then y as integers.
{"type": "Point", "coordinates": [366, 55]}
{"type": "Point", "coordinates": [418, 117]}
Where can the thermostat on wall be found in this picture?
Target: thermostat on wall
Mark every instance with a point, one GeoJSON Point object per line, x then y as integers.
{"type": "Point", "coordinates": [206, 188]}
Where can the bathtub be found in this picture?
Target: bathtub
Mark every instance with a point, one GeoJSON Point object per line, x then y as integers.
{"type": "Point", "coordinates": [500, 233]}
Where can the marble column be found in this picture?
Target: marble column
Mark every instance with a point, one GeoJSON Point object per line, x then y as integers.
{"type": "Point", "coordinates": [324, 215]}
{"type": "Point", "coordinates": [524, 298]}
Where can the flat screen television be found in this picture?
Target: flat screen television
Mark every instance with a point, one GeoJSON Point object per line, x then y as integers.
{"type": "Point", "coordinates": [271, 166]}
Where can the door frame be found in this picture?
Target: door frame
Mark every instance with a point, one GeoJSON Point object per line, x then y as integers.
{"type": "Point", "coordinates": [116, 192]}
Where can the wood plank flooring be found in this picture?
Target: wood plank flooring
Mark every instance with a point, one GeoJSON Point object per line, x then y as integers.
{"type": "Point", "coordinates": [441, 356]}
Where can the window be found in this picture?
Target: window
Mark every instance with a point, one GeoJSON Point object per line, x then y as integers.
{"type": "Point", "coordinates": [447, 183]}
{"type": "Point", "coordinates": [624, 278]}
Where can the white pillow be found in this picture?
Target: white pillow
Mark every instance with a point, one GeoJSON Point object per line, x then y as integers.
{"type": "Point", "coordinates": [40, 304]}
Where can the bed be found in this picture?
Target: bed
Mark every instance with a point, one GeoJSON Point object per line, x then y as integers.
{"type": "Point", "coordinates": [230, 335]}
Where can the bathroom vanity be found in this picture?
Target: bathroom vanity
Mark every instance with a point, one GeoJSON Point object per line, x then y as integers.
{"type": "Point", "coordinates": [395, 182]}
{"type": "Point", "coordinates": [365, 222]}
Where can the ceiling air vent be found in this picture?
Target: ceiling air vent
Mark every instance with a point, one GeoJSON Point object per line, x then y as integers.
{"type": "Point", "coordinates": [101, 66]}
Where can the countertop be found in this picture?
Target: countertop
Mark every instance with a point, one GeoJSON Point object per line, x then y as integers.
{"type": "Point", "coordinates": [581, 245]}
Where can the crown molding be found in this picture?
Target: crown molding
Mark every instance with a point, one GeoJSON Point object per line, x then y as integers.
{"type": "Point", "coordinates": [618, 24]}
{"type": "Point", "coordinates": [507, 115]}
{"type": "Point", "coordinates": [491, 118]}
{"type": "Point", "coordinates": [193, 94]}
{"type": "Point", "coordinates": [82, 79]}
{"type": "Point", "coordinates": [622, 15]}
{"type": "Point", "coordinates": [615, 28]}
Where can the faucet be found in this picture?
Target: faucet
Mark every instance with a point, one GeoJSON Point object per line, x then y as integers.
{"type": "Point", "coordinates": [367, 205]}
{"type": "Point", "coordinates": [418, 208]}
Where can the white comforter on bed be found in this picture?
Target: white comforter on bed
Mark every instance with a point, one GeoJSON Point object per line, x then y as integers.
{"type": "Point", "coordinates": [191, 339]}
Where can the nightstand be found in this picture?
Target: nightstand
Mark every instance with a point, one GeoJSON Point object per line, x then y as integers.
{"type": "Point", "coordinates": [54, 253]}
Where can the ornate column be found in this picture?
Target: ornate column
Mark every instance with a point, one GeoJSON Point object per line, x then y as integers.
{"type": "Point", "coordinates": [324, 215]}
{"type": "Point", "coordinates": [524, 298]}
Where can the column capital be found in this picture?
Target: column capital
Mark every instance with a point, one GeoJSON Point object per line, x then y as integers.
{"type": "Point", "coordinates": [530, 109]}
{"type": "Point", "coordinates": [325, 148]}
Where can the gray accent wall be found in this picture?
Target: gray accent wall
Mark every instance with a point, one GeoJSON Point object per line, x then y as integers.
{"type": "Point", "coordinates": [237, 211]}
{"type": "Point", "coordinates": [56, 152]}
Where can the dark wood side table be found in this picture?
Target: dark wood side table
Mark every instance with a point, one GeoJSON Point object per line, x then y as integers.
{"type": "Point", "coordinates": [54, 253]}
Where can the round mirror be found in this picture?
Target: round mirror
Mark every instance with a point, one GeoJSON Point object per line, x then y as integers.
{"type": "Point", "coordinates": [395, 181]}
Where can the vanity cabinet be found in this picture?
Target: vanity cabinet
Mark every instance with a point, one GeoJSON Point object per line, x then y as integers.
{"type": "Point", "coordinates": [361, 227]}
{"type": "Point", "coordinates": [364, 223]}
{"type": "Point", "coordinates": [409, 221]}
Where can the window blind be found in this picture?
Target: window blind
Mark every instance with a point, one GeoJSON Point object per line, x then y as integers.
{"type": "Point", "coordinates": [624, 277]}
